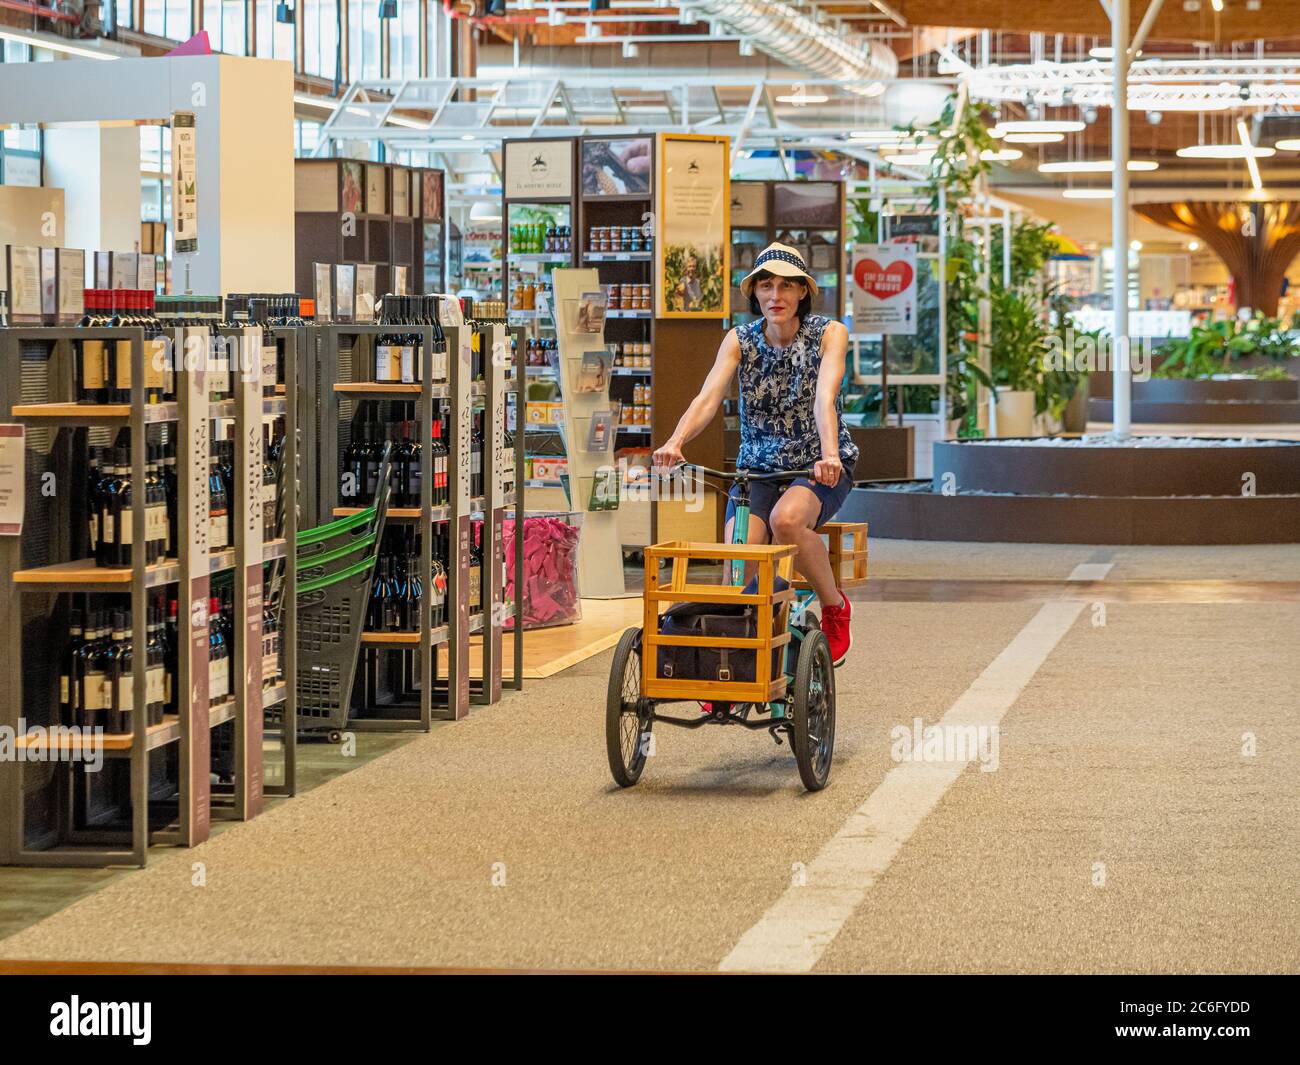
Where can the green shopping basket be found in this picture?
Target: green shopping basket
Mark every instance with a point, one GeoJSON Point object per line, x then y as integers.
{"type": "Point", "coordinates": [336, 564]}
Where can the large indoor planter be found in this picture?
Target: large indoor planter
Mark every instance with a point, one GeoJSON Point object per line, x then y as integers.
{"type": "Point", "coordinates": [1014, 412]}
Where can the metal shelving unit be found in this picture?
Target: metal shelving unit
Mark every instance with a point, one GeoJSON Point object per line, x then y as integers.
{"type": "Point", "coordinates": [42, 825]}
{"type": "Point", "coordinates": [419, 692]}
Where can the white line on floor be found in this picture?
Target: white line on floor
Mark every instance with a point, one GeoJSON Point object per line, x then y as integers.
{"type": "Point", "coordinates": [1090, 571]}
{"type": "Point", "coordinates": [792, 935]}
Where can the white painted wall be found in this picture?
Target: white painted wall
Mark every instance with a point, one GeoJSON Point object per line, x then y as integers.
{"type": "Point", "coordinates": [98, 167]}
{"type": "Point", "coordinates": [244, 116]}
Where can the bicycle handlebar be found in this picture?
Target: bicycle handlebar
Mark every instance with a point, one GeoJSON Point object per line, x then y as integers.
{"type": "Point", "coordinates": [737, 475]}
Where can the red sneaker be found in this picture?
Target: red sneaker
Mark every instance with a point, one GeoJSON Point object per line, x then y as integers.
{"type": "Point", "coordinates": [835, 624]}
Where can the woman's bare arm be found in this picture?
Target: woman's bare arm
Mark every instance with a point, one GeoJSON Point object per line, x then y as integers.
{"type": "Point", "coordinates": [705, 405]}
{"type": "Point", "coordinates": [835, 346]}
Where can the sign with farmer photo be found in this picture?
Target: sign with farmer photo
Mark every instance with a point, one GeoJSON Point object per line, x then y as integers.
{"type": "Point", "coordinates": [693, 238]}
{"type": "Point", "coordinates": [884, 289]}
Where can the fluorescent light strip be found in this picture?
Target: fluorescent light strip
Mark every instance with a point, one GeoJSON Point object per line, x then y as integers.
{"type": "Point", "coordinates": [54, 44]}
{"type": "Point", "coordinates": [1034, 138]}
{"type": "Point", "coordinates": [1042, 125]}
{"type": "Point", "coordinates": [1094, 166]}
{"type": "Point", "coordinates": [1251, 165]}
{"type": "Point", "coordinates": [1004, 155]}
{"type": "Point", "coordinates": [1224, 151]}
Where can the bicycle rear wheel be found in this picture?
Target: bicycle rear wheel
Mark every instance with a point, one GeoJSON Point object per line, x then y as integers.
{"type": "Point", "coordinates": [627, 730]}
{"type": "Point", "coordinates": [814, 710]}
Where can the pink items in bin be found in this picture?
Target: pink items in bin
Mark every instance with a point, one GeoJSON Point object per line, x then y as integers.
{"type": "Point", "coordinates": [550, 572]}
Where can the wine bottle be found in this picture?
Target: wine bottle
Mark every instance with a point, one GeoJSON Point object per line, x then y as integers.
{"type": "Point", "coordinates": [92, 355]}
{"type": "Point", "coordinates": [68, 707]}
{"type": "Point", "coordinates": [171, 546]}
{"type": "Point", "coordinates": [120, 678]}
{"type": "Point", "coordinates": [95, 696]}
{"type": "Point", "coordinates": [476, 570]}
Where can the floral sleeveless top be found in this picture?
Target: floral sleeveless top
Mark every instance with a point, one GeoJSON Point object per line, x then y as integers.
{"type": "Point", "coordinates": [778, 395]}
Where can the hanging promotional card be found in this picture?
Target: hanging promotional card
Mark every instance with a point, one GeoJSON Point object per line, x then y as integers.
{"type": "Point", "coordinates": [601, 430]}
{"type": "Point", "coordinates": [693, 231]}
{"type": "Point", "coordinates": [593, 375]}
{"type": "Point", "coordinates": [365, 311]}
{"type": "Point", "coordinates": [103, 262]}
{"type": "Point", "coordinates": [123, 269]}
{"type": "Point", "coordinates": [71, 285]}
{"type": "Point", "coordinates": [13, 481]}
{"type": "Point", "coordinates": [185, 199]}
{"type": "Point", "coordinates": [147, 273]}
{"type": "Point", "coordinates": [587, 314]}
{"type": "Point", "coordinates": [884, 289]}
{"type": "Point", "coordinates": [323, 284]}
{"type": "Point", "coordinates": [345, 278]}
{"type": "Point", "coordinates": [49, 285]}
{"type": "Point", "coordinates": [24, 272]}
{"type": "Point", "coordinates": [604, 489]}
{"type": "Point", "coordinates": [399, 280]}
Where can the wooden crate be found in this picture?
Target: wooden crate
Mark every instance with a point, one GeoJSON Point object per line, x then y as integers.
{"type": "Point", "coordinates": [772, 632]}
{"type": "Point", "coordinates": [846, 543]}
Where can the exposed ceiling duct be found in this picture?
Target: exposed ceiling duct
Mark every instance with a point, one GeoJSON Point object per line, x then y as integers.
{"type": "Point", "coordinates": [804, 44]}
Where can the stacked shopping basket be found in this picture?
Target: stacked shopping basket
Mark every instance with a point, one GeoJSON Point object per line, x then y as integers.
{"type": "Point", "coordinates": [336, 564]}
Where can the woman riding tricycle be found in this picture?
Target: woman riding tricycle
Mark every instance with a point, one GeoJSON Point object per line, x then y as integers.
{"type": "Point", "coordinates": [743, 650]}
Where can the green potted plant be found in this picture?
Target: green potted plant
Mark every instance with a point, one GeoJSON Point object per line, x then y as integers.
{"type": "Point", "coordinates": [1018, 345]}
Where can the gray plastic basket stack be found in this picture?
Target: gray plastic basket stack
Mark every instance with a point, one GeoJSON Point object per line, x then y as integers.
{"type": "Point", "coordinates": [336, 564]}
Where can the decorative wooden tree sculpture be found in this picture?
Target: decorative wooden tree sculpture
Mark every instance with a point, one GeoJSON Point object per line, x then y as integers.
{"type": "Point", "coordinates": [1256, 241]}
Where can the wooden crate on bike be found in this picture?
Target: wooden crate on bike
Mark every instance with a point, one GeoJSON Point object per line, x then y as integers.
{"type": "Point", "coordinates": [771, 615]}
{"type": "Point", "coordinates": [846, 544]}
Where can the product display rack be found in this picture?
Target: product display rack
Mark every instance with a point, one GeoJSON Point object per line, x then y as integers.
{"type": "Point", "coordinates": [624, 325]}
{"type": "Point", "coordinates": [279, 564]}
{"type": "Point", "coordinates": [537, 323]}
{"type": "Point", "coordinates": [345, 356]}
{"type": "Point", "coordinates": [39, 572]}
{"type": "Point", "coordinates": [353, 211]}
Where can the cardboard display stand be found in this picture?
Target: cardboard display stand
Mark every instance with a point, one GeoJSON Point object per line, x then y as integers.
{"type": "Point", "coordinates": [600, 547]}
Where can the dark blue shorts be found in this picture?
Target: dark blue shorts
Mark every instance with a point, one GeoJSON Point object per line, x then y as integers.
{"type": "Point", "coordinates": [763, 496]}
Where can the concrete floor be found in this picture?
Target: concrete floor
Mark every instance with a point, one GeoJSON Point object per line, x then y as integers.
{"type": "Point", "coordinates": [1124, 829]}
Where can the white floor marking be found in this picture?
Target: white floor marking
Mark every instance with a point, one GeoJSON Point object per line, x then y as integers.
{"type": "Point", "coordinates": [794, 933]}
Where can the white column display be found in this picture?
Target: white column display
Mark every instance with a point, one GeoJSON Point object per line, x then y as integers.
{"type": "Point", "coordinates": [579, 314]}
{"type": "Point", "coordinates": [1119, 150]}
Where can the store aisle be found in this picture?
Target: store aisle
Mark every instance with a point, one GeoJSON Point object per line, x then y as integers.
{"type": "Point", "coordinates": [500, 842]}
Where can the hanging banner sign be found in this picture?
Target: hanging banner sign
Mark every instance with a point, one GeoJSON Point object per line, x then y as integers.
{"type": "Point", "coordinates": [537, 170]}
{"type": "Point", "coordinates": [884, 289]}
{"type": "Point", "coordinates": [914, 225]}
{"type": "Point", "coordinates": [185, 200]}
{"type": "Point", "coordinates": [692, 240]}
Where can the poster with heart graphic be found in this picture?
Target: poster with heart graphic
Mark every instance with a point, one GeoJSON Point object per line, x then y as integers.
{"type": "Point", "coordinates": [884, 289]}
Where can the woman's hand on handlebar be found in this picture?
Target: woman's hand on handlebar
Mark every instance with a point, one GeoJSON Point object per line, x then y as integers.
{"type": "Point", "coordinates": [827, 470]}
{"type": "Point", "coordinates": [668, 456]}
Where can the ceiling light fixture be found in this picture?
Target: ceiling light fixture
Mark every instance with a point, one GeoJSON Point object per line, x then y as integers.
{"type": "Point", "coordinates": [1002, 155]}
{"type": "Point", "coordinates": [801, 98]}
{"type": "Point", "coordinates": [1094, 166]}
{"type": "Point", "coordinates": [1042, 125]}
{"type": "Point", "coordinates": [1225, 151]}
{"type": "Point", "coordinates": [1193, 245]}
{"type": "Point", "coordinates": [1244, 135]}
{"type": "Point", "coordinates": [1034, 138]}
{"type": "Point", "coordinates": [1136, 245]}
{"type": "Point", "coordinates": [55, 44]}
